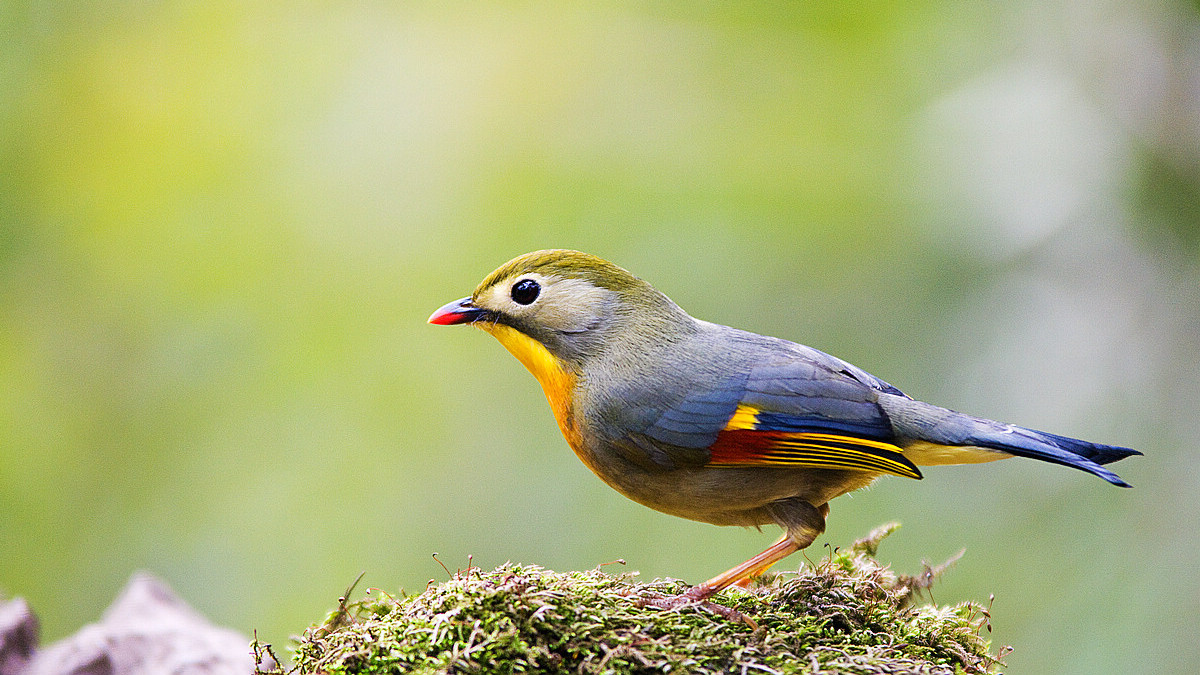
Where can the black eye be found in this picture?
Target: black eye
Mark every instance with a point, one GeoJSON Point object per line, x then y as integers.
{"type": "Point", "coordinates": [525, 291]}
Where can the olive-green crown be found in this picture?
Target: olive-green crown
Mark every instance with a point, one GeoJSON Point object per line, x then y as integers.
{"type": "Point", "coordinates": [565, 264]}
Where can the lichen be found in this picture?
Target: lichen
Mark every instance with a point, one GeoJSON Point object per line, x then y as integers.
{"type": "Point", "coordinates": [846, 614]}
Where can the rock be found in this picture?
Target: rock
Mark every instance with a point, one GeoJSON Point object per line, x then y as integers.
{"type": "Point", "coordinates": [18, 636]}
{"type": "Point", "coordinates": [147, 630]}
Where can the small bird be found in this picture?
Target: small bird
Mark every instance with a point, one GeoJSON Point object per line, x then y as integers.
{"type": "Point", "coordinates": [716, 424]}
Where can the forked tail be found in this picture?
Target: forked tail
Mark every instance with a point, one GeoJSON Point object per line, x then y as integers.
{"type": "Point", "coordinates": [940, 433]}
{"type": "Point", "coordinates": [1048, 447]}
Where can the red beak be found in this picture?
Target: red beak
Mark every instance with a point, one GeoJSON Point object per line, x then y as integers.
{"type": "Point", "coordinates": [459, 311]}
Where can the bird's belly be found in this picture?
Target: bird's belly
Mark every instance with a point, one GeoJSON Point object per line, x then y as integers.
{"type": "Point", "coordinates": [724, 496]}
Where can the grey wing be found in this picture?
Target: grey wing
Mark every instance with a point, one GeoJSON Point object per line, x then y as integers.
{"type": "Point", "coordinates": [790, 388]}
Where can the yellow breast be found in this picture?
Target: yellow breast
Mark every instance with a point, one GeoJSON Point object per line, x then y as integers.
{"type": "Point", "coordinates": [556, 379]}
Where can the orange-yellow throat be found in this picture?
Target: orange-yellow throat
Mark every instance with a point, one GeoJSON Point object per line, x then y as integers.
{"type": "Point", "coordinates": [557, 381]}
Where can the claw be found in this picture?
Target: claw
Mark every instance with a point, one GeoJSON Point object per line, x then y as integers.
{"type": "Point", "coordinates": [697, 596]}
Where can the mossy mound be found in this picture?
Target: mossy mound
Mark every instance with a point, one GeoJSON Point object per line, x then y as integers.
{"type": "Point", "coordinates": [849, 614]}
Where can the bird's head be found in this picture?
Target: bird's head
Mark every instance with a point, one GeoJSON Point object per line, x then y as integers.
{"type": "Point", "coordinates": [574, 305]}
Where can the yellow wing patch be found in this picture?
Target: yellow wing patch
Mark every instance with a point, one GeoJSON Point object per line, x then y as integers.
{"type": "Point", "coordinates": [745, 417]}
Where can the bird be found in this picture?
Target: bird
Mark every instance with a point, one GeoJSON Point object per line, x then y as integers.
{"type": "Point", "coordinates": [716, 424]}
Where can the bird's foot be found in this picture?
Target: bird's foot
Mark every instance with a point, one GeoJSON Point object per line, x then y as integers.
{"type": "Point", "coordinates": [697, 596]}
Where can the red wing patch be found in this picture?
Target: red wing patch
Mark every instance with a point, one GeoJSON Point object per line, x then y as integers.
{"type": "Point", "coordinates": [751, 447]}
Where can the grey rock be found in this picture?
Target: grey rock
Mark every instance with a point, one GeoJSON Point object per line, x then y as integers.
{"type": "Point", "coordinates": [18, 636]}
{"type": "Point", "coordinates": [147, 630]}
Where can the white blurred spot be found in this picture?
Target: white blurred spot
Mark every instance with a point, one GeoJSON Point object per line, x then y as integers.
{"type": "Point", "coordinates": [1025, 151]}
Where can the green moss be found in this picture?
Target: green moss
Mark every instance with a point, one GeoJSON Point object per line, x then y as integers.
{"type": "Point", "coordinates": [848, 614]}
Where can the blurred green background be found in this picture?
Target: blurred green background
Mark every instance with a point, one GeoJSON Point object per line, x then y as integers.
{"type": "Point", "coordinates": [222, 226]}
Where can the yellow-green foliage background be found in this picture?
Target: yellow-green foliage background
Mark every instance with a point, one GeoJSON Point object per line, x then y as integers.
{"type": "Point", "coordinates": [222, 226]}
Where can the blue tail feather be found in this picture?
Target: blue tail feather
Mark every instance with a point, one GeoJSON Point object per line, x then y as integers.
{"type": "Point", "coordinates": [1098, 453]}
{"type": "Point", "coordinates": [1049, 447]}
